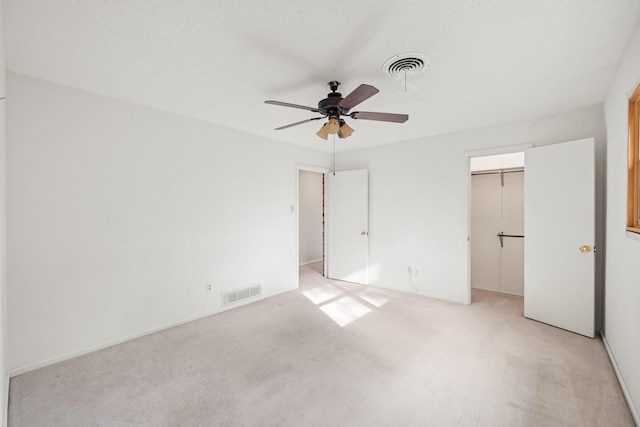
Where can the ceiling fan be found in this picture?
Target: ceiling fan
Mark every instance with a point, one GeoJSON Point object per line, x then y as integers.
{"type": "Point", "coordinates": [334, 106]}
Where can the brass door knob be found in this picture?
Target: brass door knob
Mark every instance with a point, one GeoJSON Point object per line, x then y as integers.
{"type": "Point", "coordinates": [585, 249]}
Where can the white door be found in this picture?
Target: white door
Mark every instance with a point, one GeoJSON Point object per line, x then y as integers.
{"type": "Point", "coordinates": [560, 235]}
{"type": "Point", "coordinates": [348, 225]}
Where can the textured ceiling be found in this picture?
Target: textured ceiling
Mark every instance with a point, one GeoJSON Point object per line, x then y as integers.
{"type": "Point", "coordinates": [492, 61]}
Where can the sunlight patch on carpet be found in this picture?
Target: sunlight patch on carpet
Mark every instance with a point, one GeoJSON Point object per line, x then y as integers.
{"type": "Point", "coordinates": [345, 310]}
{"type": "Point", "coordinates": [376, 299]}
{"type": "Point", "coordinates": [322, 294]}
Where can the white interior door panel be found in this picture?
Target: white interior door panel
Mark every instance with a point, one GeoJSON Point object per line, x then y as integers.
{"type": "Point", "coordinates": [560, 235]}
{"type": "Point", "coordinates": [348, 225]}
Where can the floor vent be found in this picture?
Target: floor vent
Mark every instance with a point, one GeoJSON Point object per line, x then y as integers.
{"type": "Point", "coordinates": [241, 294]}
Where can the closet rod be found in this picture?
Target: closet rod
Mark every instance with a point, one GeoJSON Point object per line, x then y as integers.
{"type": "Point", "coordinates": [497, 172]}
{"type": "Point", "coordinates": [501, 235]}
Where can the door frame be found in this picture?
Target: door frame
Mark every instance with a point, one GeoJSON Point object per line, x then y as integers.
{"type": "Point", "coordinates": [296, 210]}
{"type": "Point", "coordinates": [509, 149]}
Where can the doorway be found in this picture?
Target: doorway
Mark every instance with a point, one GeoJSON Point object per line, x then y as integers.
{"type": "Point", "coordinates": [332, 222]}
{"type": "Point", "coordinates": [560, 233]}
{"type": "Point", "coordinates": [311, 218]}
{"type": "Point", "coordinates": [496, 220]}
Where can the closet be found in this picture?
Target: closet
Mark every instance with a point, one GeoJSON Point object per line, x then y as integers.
{"type": "Point", "coordinates": [497, 223]}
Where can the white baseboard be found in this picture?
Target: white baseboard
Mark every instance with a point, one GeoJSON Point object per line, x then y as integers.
{"type": "Point", "coordinates": [623, 386]}
{"type": "Point", "coordinates": [498, 291]}
{"type": "Point", "coordinates": [5, 414]}
{"type": "Point", "coordinates": [31, 367]}
{"type": "Point", "coordinates": [313, 261]}
{"type": "Point", "coordinates": [422, 293]}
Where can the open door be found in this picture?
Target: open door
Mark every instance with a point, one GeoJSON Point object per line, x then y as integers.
{"type": "Point", "coordinates": [560, 235]}
{"type": "Point", "coordinates": [347, 225]}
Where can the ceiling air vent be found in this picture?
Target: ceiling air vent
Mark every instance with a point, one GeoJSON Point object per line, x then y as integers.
{"type": "Point", "coordinates": [406, 63]}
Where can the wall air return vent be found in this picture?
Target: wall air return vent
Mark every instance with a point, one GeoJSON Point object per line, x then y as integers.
{"type": "Point", "coordinates": [238, 295]}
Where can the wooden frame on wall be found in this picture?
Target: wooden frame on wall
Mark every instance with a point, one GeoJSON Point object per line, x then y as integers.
{"type": "Point", "coordinates": [633, 190]}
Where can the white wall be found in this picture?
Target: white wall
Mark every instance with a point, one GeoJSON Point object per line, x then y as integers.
{"type": "Point", "coordinates": [310, 211]}
{"type": "Point", "coordinates": [498, 161]}
{"type": "Point", "coordinates": [622, 292]}
{"type": "Point", "coordinates": [118, 215]}
{"type": "Point", "coordinates": [4, 384]}
{"type": "Point", "coordinates": [419, 209]}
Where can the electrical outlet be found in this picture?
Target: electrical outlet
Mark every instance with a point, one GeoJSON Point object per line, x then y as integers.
{"type": "Point", "coordinates": [417, 272]}
{"type": "Point", "coordinates": [208, 287]}
{"type": "Point", "coordinates": [409, 269]}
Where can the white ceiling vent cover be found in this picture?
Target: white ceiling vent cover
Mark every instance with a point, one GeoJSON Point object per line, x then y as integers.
{"type": "Point", "coordinates": [241, 294]}
{"type": "Point", "coordinates": [406, 63]}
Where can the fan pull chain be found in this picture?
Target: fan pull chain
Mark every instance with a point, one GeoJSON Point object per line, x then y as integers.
{"type": "Point", "coordinates": [334, 154]}
{"type": "Point", "coordinates": [405, 80]}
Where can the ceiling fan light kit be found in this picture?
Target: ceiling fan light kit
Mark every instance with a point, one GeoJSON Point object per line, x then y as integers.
{"type": "Point", "coordinates": [332, 127]}
{"type": "Point", "coordinates": [334, 106]}
{"type": "Point", "coordinates": [345, 130]}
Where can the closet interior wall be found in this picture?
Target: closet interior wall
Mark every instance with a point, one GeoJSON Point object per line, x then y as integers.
{"type": "Point", "coordinates": [497, 206]}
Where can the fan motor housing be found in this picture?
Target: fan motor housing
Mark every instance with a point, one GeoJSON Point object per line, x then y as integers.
{"type": "Point", "coordinates": [329, 106]}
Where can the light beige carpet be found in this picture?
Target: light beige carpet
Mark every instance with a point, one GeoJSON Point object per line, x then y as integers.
{"type": "Point", "coordinates": [336, 354]}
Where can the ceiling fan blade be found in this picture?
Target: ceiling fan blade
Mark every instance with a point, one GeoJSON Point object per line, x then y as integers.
{"type": "Point", "coordinates": [361, 93]}
{"type": "Point", "coordinates": [299, 123]}
{"type": "Point", "coordinates": [381, 117]}
{"type": "Point", "coordinates": [286, 104]}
